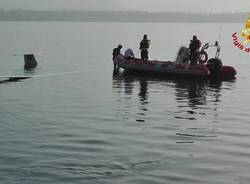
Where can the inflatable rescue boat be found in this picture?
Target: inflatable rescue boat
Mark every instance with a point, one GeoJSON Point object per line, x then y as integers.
{"type": "Point", "coordinates": [205, 68]}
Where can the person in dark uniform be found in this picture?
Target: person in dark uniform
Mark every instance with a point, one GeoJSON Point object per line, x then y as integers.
{"type": "Point", "coordinates": [144, 45]}
{"type": "Point", "coordinates": [194, 47]}
{"type": "Point", "coordinates": [116, 51]}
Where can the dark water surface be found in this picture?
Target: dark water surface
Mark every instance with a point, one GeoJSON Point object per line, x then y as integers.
{"type": "Point", "coordinates": [78, 123]}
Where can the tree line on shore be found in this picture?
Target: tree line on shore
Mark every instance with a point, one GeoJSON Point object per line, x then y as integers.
{"type": "Point", "coordinates": [118, 16]}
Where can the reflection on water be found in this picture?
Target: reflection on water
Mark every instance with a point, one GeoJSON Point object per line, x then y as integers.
{"type": "Point", "coordinates": [196, 92]}
{"type": "Point", "coordinates": [193, 91]}
{"type": "Point", "coordinates": [143, 93]}
{"type": "Point", "coordinates": [128, 85]}
{"type": "Point", "coordinates": [193, 97]}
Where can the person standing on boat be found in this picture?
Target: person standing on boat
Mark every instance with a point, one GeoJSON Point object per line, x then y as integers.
{"type": "Point", "coordinates": [144, 45]}
{"type": "Point", "coordinates": [116, 51]}
{"type": "Point", "coordinates": [194, 47]}
{"type": "Point", "coordinates": [129, 54]}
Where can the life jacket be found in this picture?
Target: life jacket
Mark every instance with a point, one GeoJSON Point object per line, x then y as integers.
{"type": "Point", "coordinates": [144, 44]}
{"type": "Point", "coordinates": [195, 45]}
{"type": "Point", "coordinates": [116, 51]}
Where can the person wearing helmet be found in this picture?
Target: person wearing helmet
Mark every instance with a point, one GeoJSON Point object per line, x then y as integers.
{"type": "Point", "coordinates": [194, 47]}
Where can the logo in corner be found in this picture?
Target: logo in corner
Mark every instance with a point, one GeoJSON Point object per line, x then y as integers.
{"type": "Point", "coordinates": [245, 34]}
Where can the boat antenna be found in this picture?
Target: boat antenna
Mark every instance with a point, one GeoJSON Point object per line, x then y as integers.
{"type": "Point", "coordinates": [220, 31]}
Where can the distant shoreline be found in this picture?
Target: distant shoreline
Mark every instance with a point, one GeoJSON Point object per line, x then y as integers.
{"type": "Point", "coordinates": [119, 16]}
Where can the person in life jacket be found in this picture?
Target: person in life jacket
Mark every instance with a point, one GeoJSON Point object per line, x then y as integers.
{"type": "Point", "coordinates": [144, 45]}
{"type": "Point", "coordinates": [194, 47]}
{"type": "Point", "coordinates": [116, 51]}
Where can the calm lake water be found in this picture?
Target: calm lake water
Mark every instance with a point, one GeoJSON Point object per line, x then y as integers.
{"type": "Point", "coordinates": [78, 123]}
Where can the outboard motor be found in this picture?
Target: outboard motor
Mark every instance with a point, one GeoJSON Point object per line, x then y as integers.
{"type": "Point", "coordinates": [215, 67]}
{"type": "Point", "coordinates": [182, 56]}
{"type": "Point", "coordinates": [29, 61]}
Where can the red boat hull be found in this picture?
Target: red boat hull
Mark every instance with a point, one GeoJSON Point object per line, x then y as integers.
{"type": "Point", "coordinates": [162, 67]}
{"type": "Point", "coordinates": [170, 68]}
{"type": "Point", "coordinates": [228, 72]}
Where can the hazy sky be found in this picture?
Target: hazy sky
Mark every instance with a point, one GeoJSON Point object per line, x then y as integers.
{"type": "Point", "coordinates": [144, 5]}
